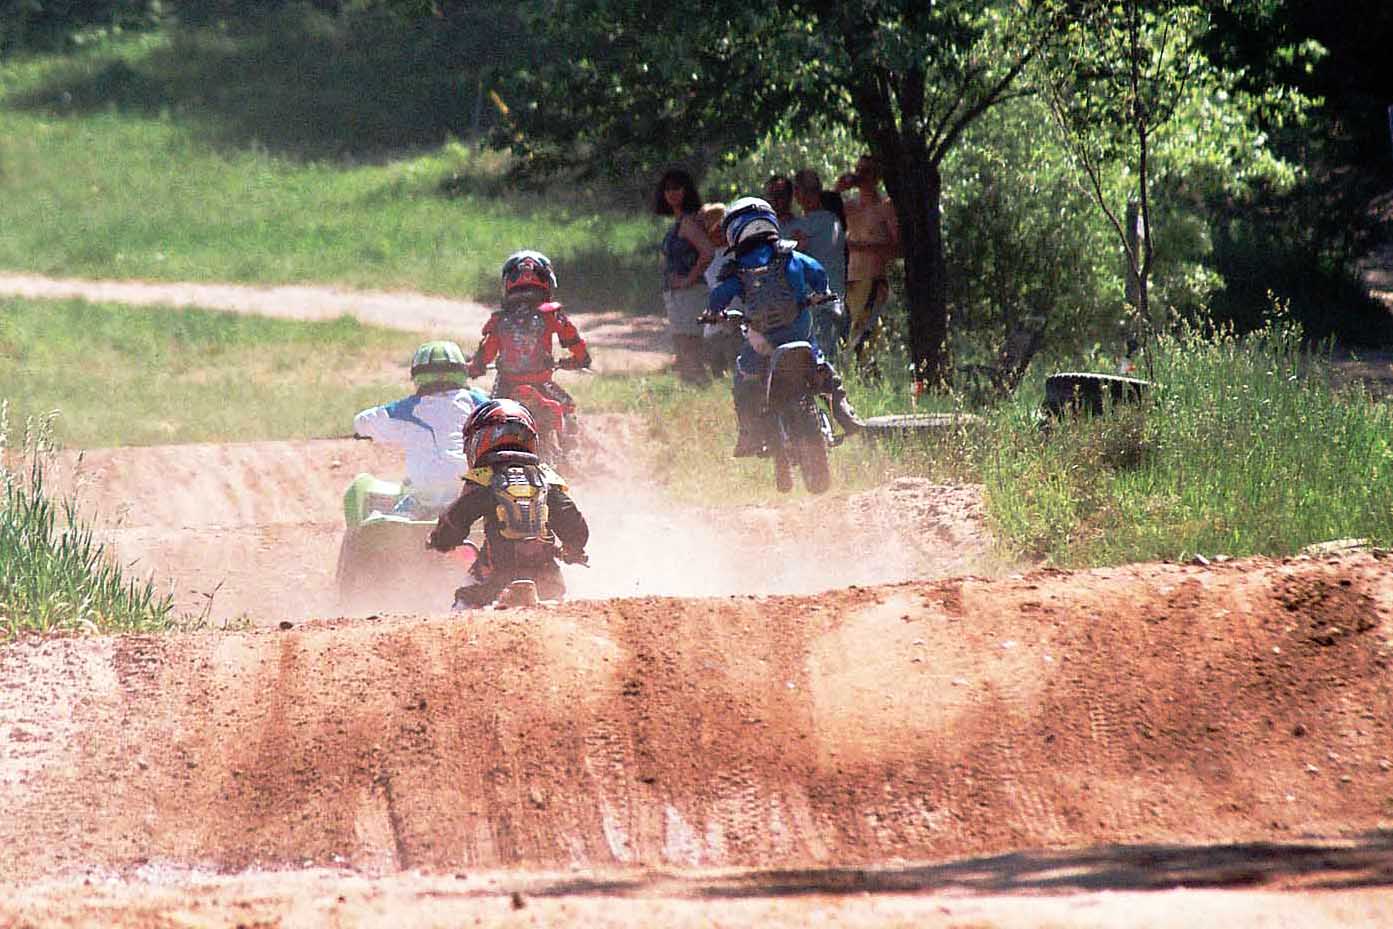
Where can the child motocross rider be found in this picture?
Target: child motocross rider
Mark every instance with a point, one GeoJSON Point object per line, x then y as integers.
{"type": "Point", "coordinates": [524, 505]}
{"type": "Point", "coordinates": [776, 284]}
{"type": "Point", "coordinates": [519, 336]}
{"type": "Point", "coordinates": [429, 425]}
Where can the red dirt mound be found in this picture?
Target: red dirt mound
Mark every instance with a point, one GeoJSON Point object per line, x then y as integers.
{"type": "Point", "coordinates": [1151, 726]}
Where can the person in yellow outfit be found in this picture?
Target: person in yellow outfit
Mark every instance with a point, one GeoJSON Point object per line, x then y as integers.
{"type": "Point", "coordinates": [872, 241]}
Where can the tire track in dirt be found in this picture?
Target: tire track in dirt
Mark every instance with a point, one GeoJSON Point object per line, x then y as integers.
{"type": "Point", "coordinates": [657, 732]}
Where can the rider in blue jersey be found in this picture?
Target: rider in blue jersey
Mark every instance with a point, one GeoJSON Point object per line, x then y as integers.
{"type": "Point", "coordinates": [776, 283]}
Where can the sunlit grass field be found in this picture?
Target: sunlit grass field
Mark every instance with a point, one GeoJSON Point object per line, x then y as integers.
{"type": "Point", "coordinates": [121, 375]}
{"type": "Point", "coordinates": [113, 165]}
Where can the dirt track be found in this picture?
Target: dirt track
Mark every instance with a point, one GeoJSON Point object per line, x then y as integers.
{"type": "Point", "coordinates": [902, 752]}
{"type": "Point", "coordinates": [700, 739]}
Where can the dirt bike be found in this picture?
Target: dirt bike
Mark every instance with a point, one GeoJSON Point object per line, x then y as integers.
{"type": "Point", "coordinates": [521, 592]}
{"type": "Point", "coordinates": [382, 557]}
{"type": "Point", "coordinates": [798, 426]}
{"type": "Point", "coordinates": [557, 425]}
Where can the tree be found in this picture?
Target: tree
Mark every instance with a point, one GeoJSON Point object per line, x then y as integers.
{"type": "Point", "coordinates": [631, 82]}
{"type": "Point", "coordinates": [1119, 76]}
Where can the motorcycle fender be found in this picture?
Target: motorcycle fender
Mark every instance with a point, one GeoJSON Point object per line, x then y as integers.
{"type": "Point", "coordinates": [791, 373]}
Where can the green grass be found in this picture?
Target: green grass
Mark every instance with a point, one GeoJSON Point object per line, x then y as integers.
{"type": "Point", "coordinates": [137, 159]}
{"type": "Point", "coordinates": [127, 376]}
{"type": "Point", "coordinates": [54, 576]}
{"type": "Point", "coordinates": [1244, 448]}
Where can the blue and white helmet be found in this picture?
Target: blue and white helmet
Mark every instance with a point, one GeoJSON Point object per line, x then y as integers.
{"type": "Point", "coordinates": [749, 218]}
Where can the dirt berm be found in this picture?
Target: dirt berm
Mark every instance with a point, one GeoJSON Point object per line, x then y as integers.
{"type": "Point", "coordinates": [1244, 702]}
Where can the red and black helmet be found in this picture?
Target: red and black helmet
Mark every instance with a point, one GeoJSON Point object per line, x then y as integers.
{"type": "Point", "coordinates": [528, 272]}
{"type": "Point", "coordinates": [499, 424]}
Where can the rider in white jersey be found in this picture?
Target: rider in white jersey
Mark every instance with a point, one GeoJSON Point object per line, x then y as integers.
{"type": "Point", "coordinates": [429, 426]}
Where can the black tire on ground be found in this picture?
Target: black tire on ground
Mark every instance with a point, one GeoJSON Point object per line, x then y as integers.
{"type": "Point", "coordinates": [1085, 392]}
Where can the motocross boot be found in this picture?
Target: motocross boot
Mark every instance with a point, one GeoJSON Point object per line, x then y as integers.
{"type": "Point", "coordinates": [830, 382]}
{"type": "Point", "coordinates": [749, 443]}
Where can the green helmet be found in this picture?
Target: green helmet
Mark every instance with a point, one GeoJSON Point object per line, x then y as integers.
{"type": "Point", "coordinates": [439, 362]}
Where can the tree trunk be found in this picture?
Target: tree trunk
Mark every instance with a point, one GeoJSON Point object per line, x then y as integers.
{"type": "Point", "coordinates": [916, 187]}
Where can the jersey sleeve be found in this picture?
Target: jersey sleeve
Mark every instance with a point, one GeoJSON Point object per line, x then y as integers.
{"type": "Point", "coordinates": [489, 346]}
{"type": "Point", "coordinates": [723, 293]}
{"type": "Point", "coordinates": [814, 274]}
{"type": "Point", "coordinates": [453, 526]}
{"type": "Point", "coordinates": [380, 425]}
{"type": "Point", "coordinates": [566, 519]}
{"type": "Point", "coordinates": [560, 325]}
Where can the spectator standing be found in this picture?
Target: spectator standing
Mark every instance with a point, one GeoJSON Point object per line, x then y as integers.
{"type": "Point", "coordinates": [779, 191]}
{"type": "Point", "coordinates": [686, 254]}
{"type": "Point", "coordinates": [873, 241]}
{"type": "Point", "coordinates": [820, 233]}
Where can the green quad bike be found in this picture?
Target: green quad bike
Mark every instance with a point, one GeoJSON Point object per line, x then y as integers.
{"type": "Point", "coordinates": [383, 560]}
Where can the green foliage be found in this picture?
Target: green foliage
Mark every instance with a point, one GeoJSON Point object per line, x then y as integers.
{"type": "Point", "coordinates": [1023, 239]}
{"type": "Point", "coordinates": [27, 25]}
{"type": "Point", "coordinates": [54, 575]}
{"type": "Point", "coordinates": [1243, 448]}
{"type": "Point", "coordinates": [1150, 119]}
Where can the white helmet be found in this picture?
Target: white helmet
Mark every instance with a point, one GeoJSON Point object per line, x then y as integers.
{"type": "Point", "coordinates": [749, 218]}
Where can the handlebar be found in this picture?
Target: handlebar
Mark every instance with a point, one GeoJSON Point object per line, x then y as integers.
{"type": "Point", "coordinates": [722, 316]}
{"type": "Point", "coordinates": [565, 364]}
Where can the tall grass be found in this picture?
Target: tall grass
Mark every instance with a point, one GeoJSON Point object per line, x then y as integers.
{"type": "Point", "coordinates": [54, 576]}
{"type": "Point", "coordinates": [1243, 448]}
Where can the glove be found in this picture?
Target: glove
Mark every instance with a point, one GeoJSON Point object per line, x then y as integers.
{"type": "Point", "coordinates": [477, 369]}
{"type": "Point", "coordinates": [572, 555]}
{"type": "Point", "coordinates": [436, 542]}
{"type": "Point", "coordinates": [572, 363]}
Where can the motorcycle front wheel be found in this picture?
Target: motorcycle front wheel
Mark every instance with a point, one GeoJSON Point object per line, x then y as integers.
{"type": "Point", "coordinates": [810, 450]}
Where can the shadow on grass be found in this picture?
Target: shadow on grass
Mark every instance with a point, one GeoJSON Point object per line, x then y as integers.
{"type": "Point", "coordinates": [300, 83]}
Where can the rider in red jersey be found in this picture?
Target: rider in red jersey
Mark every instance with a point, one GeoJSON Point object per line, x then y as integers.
{"type": "Point", "coordinates": [518, 336]}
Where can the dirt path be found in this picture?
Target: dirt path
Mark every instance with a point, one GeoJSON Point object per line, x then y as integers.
{"type": "Point", "coordinates": [623, 343]}
{"type": "Point", "coordinates": [871, 754]}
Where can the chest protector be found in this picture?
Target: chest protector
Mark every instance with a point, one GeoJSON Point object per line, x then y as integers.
{"type": "Point", "coordinates": [770, 301]}
{"type": "Point", "coordinates": [520, 503]}
{"type": "Point", "coordinates": [524, 345]}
